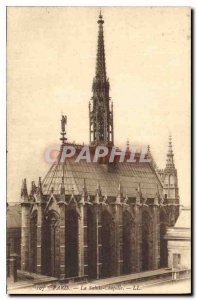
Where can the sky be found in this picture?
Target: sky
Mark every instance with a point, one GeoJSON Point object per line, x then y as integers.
{"type": "Point", "coordinates": [51, 58]}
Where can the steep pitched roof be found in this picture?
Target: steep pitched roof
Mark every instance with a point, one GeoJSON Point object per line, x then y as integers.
{"type": "Point", "coordinates": [129, 175]}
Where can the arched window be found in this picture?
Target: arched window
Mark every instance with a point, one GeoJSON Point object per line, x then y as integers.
{"type": "Point", "coordinates": [71, 233]}
{"type": "Point", "coordinates": [127, 243]}
{"type": "Point", "coordinates": [163, 241]}
{"type": "Point", "coordinates": [106, 242]}
{"type": "Point", "coordinates": [147, 241]}
{"type": "Point", "coordinates": [33, 242]}
{"type": "Point", "coordinates": [51, 255]}
{"type": "Point", "coordinates": [91, 244]}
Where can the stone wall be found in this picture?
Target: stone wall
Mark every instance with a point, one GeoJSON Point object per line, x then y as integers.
{"type": "Point", "coordinates": [110, 239]}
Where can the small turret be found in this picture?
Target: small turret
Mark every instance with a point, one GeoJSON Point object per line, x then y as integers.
{"type": "Point", "coordinates": [169, 177]}
{"type": "Point", "coordinates": [170, 156]}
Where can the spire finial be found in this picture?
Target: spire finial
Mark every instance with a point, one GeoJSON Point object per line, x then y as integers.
{"type": "Point", "coordinates": [139, 194]}
{"type": "Point", "coordinates": [98, 195]}
{"type": "Point", "coordinates": [100, 63]}
{"type": "Point", "coordinates": [84, 194]}
{"type": "Point", "coordinates": [24, 192]}
{"type": "Point", "coordinates": [33, 188]}
{"type": "Point", "coordinates": [39, 189]}
{"type": "Point", "coordinates": [100, 20]}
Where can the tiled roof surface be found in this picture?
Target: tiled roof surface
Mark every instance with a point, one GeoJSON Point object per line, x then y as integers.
{"type": "Point", "coordinates": [129, 175]}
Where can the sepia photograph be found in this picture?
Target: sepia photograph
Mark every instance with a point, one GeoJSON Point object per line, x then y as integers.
{"type": "Point", "coordinates": [98, 150]}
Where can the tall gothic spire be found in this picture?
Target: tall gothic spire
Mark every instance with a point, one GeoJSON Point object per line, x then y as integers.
{"type": "Point", "coordinates": [100, 112]}
{"type": "Point", "coordinates": [170, 156]}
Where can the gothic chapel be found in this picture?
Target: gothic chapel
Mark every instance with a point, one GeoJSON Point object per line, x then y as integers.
{"type": "Point", "coordinates": [102, 219]}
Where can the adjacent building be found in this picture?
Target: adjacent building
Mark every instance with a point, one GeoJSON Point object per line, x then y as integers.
{"type": "Point", "coordinates": [179, 242]}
